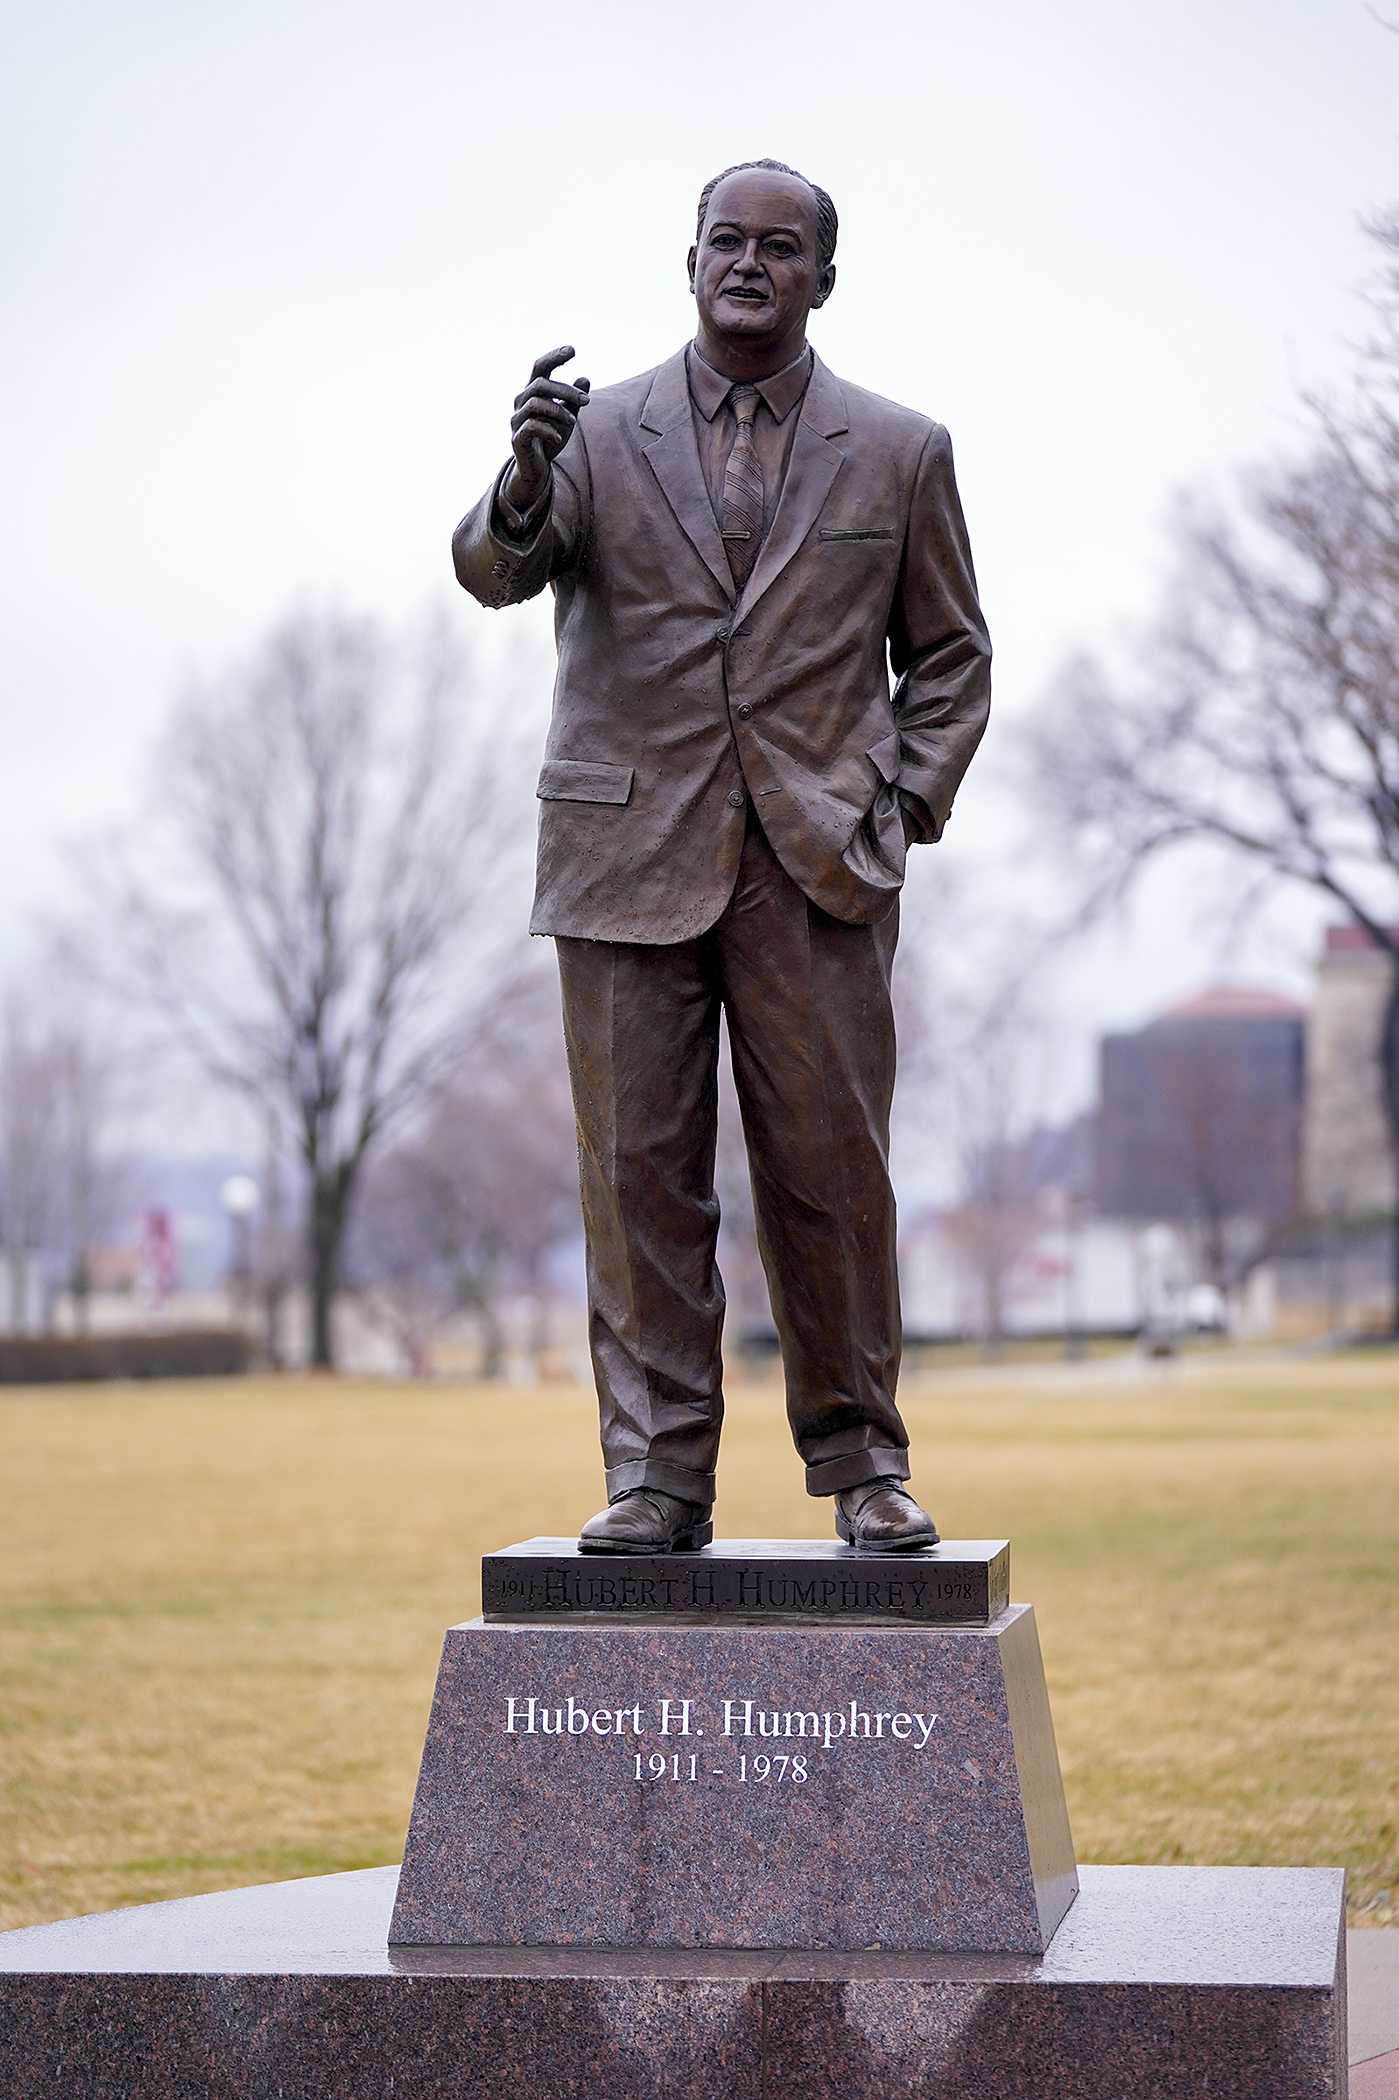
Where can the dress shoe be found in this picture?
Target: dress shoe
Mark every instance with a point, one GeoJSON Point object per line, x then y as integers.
{"type": "Point", "coordinates": [645, 1520]}
{"type": "Point", "coordinates": [883, 1517]}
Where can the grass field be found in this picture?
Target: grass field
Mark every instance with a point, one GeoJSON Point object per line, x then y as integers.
{"type": "Point", "coordinates": [222, 1604]}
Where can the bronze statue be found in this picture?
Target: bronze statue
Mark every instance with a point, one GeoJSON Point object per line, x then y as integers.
{"type": "Point", "coordinates": [740, 546]}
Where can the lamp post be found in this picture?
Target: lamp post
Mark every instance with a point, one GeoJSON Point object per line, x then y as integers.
{"type": "Point", "coordinates": [1162, 1257]}
{"type": "Point", "coordinates": [1076, 1209]}
{"type": "Point", "coordinates": [240, 1196]}
{"type": "Point", "coordinates": [1335, 1264]}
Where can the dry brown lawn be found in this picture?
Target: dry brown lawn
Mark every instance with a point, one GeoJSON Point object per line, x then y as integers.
{"type": "Point", "coordinates": [222, 1604]}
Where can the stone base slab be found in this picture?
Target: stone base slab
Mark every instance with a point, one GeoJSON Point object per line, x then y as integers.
{"type": "Point", "coordinates": [1163, 1983]}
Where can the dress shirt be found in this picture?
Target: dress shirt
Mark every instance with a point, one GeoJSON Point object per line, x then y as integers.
{"type": "Point", "coordinates": [716, 426]}
{"type": "Point", "coordinates": [774, 426]}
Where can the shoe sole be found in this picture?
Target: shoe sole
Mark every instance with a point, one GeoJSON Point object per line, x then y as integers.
{"type": "Point", "coordinates": [684, 1542]}
{"type": "Point", "coordinates": [845, 1531]}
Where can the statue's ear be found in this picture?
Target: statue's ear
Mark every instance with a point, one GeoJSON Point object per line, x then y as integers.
{"type": "Point", "coordinates": [825, 285]}
{"type": "Point", "coordinates": [690, 262]}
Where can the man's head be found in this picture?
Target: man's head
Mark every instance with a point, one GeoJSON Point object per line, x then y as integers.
{"type": "Point", "coordinates": [762, 257]}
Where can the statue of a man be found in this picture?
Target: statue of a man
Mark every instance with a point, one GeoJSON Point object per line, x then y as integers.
{"type": "Point", "coordinates": [740, 547]}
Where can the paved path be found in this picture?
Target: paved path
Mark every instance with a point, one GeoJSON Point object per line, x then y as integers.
{"type": "Point", "coordinates": [1372, 1965]}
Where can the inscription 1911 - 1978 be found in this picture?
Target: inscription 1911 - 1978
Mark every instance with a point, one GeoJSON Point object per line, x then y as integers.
{"type": "Point", "coordinates": [965, 1582]}
{"type": "Point", "coordinates": [748, 1744]}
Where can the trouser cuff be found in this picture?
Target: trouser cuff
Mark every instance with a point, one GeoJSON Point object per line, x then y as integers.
{"type": "Point", "coordinates": [833, 1474]}
{"type": "Point", "coordinates": [671, 1480]}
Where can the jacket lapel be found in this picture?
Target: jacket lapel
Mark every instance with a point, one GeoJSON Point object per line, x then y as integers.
{"type": "Point", "coordinates": [812, 467]}
{"type": "Point", "coordinates": [673, 457]}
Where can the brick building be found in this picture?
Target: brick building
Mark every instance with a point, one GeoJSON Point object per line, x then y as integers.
{"type": "Point", "coordinates": [1200, 1116]}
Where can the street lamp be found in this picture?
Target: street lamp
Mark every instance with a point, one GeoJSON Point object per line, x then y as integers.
{"type": "Point", "coordinates": [1077, 1206]}
{"type": "Point", "coordinates": [240, 1196]}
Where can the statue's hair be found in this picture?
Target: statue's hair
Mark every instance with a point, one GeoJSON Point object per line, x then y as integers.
{"type": "Point", "coordinates": [827, 224]}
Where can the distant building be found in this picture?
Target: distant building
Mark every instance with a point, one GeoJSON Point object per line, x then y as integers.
{"type": "Point", "coordinates": [1238, 1170]}
{"type": "Point", "coordinates": [1199, 1120]}
{"type": "Point", "coordinates": [1065, 1274]}
{"type": "Point", "coordinates": [1347, 1157]}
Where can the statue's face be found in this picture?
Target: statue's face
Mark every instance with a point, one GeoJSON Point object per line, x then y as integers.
{"type": "Point", "coordinates": [756, 271]}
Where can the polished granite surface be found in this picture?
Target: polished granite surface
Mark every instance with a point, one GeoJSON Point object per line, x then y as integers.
{"type": "Point", "coordinates": [706, 1785]}
{"type": "Point", "coordinates": [1162, 1983]}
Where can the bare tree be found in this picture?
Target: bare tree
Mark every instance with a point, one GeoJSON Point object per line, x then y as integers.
{"type": "Point", "coordinates": [62, 1085]}
{"type": "Point", "coordinates": [29, 1148]}
{"type": "Point", "coordinates": [276, 1249]}
{"type": "Point", "coordinates": [481, 1188]}
{"type": "Point", "coordinates": [88, 1085]}
{"type": "Point", "coordinates": [323, 898]}
{"type": "Point", "coordinates": [997, 1067]}
{"type": "Point", "coordinates": [1262, 714]}
{"type": "Point", "coordinates": [409, 1254]}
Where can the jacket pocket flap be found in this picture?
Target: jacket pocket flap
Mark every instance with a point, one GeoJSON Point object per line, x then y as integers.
{"type": "Point", "coordinates": [584, 780]}
{"type": "Point", "coordinates": [885, 757]}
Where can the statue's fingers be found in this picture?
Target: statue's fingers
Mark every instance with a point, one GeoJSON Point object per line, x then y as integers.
{"type": "Point", "coordinates": [552, 390]}
{"type": "Point", "coordinates": [545, 405]}
{"type": "Point", "coordinates": [546, 417]}
{"type": "Point", "coordinates": [543, 366]}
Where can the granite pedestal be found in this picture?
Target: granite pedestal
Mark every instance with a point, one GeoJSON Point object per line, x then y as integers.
{"type": "Point", "coordinates": [1162, 1983]}
{"type": "Point", "coordinates": [784, 1784]}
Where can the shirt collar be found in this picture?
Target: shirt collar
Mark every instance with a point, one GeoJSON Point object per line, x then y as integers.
{"type": "Point", "coordinates": [710, 389]}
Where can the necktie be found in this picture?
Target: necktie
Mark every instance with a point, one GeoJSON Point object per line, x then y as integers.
{"type": "Point", "coordinates": [743, 490]}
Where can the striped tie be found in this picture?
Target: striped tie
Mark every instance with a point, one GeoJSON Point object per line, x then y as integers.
{"type": "Point", "coordinates": [743, 490]}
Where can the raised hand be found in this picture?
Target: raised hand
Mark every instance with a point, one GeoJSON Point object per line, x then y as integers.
{"type": "Point", "coordinates": [542, 425]}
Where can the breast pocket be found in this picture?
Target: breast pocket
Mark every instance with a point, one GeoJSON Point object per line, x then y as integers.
{"type": "Point", "coordinates": [584, 780]}
{"type": "Point", "coordinates": [858, 532]}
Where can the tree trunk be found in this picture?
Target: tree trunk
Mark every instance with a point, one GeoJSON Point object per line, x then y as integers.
{"type": "Point", "coordinates": [81, 1287]}
{"type": "Point", "coordinates": [272, 1325]}
{"type": "Point", "coordinates": [539, 1325]}
{"type": "Point", "coordinates": [1389, 1066]}
{"type": "Point", "coordinates": [492, 1339]}
{"type": "Point", "coordinates": [19, 1291]}
{"type": "Point", "coordinates": [1335, 1270]}
{"type": "Point", "coordinates": [329, 1210]}
{"type": "Point", "coordinates": [272, 1264]}
{"type": "Point", "coordinates": [995, 1311]}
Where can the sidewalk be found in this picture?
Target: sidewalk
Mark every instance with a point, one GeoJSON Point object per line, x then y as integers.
{"type": "Point", "coordinates": [1372, 1963]}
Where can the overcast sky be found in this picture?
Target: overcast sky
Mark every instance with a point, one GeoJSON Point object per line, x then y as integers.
{"type": "Point", "coordinates": [272, 274]}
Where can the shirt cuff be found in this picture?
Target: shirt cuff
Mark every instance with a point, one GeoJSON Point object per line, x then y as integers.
{"type": "Point", "coordinates": [521, 524]}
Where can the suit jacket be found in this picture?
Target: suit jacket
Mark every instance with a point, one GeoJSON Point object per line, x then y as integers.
{"type": "Point", "coordinates": [674, 703]}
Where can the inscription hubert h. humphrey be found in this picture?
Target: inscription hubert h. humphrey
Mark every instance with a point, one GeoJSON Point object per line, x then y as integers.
{"type": "Point", "coordinates": [730, 1719]}
{"type": "Point", "coordinates": [963, 1582]}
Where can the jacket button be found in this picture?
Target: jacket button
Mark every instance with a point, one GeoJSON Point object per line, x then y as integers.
{"type": "Point", "coordinates": [745, 713]}
{"type": "Point", "coordinates": [737, 798]}
{"type": "Point", "coordinates": [721, 637]}
{"type": "Point", "coordinates": [500, 568]}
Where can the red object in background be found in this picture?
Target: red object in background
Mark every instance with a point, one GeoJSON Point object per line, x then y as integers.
{"type": "Point", "coordinates": [159, 1254]}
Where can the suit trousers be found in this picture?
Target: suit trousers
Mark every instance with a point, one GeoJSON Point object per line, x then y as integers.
{"type": "Point", "coordinates": [811, 1033]}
